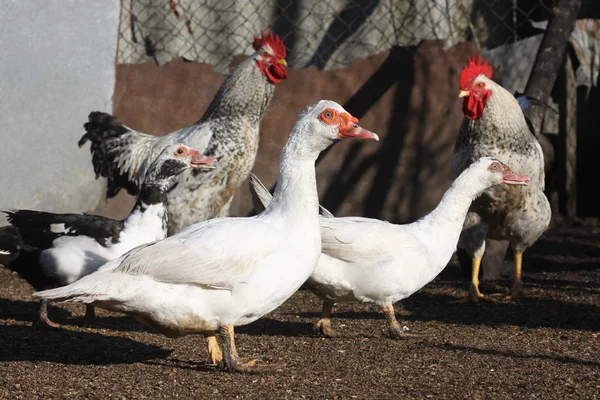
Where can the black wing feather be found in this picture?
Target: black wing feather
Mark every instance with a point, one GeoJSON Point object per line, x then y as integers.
{"type": "Point", "coordinates": [35, 227]}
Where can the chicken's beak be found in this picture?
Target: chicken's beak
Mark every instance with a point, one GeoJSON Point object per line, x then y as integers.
{"type": "Point", "coordinates": [203, 162]}
{"type": "Point", "coordinates": [463, 93]}
{"type": "Point", "coordinates": [281, 61]}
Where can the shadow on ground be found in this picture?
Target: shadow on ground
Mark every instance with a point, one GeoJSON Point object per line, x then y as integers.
{"type": "Point", "coordinates": [21, 343]}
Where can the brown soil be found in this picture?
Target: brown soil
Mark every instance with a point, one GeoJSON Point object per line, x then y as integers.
{"type": "Point", "coordinates": [546, 347]}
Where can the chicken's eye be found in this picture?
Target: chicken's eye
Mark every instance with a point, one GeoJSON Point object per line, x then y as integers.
{"type": "Point", "coordinates": [479, 85]}
{"type": "Point", "coordinates": [265, 54]}
{"type": "Point", "coordinates": [180, 151]}
{"type": "Point", "coordinates": [328, 115]}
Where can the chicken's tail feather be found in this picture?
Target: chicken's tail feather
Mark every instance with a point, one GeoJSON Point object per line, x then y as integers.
{"type": "Point", "coordinates": [100, 126]}
{"type": "Point", "coordinates": [105, 132]}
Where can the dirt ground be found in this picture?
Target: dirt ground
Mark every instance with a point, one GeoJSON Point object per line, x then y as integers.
{"type": "Point", "coordinates": [545, 347]}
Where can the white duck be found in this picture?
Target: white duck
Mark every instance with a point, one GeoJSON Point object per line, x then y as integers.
{"type": "Point", "coordinates": [227, 272]}
{"type": "Point", "coordinates": [373, 261]}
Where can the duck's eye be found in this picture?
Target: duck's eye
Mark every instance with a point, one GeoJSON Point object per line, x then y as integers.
{"type": "Point", "coordinates": [328, 114]}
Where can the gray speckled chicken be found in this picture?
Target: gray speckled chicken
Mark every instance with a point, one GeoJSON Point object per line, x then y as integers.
{"type": "Point", "coordinates": [494, 126]}
{"type": "Point", "coordinates": [228, 131]}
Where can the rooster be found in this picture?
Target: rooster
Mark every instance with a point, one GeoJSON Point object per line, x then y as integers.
{"type": "Point", "coordinates": [494, 126]}
{"type": "Point", "coordinates": [228, 131]}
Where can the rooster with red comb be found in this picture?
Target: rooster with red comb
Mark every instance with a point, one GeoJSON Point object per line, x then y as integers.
{"type": "Point", "coordinates": [495, 126]}
{"type": "Point", "coordinates": [228, 131]}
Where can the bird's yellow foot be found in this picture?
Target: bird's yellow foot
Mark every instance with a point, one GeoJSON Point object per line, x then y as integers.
{"type": "Point", "coordinates": [514, 294]}
{"type": "Point", "coordinates": [474, 296]}
{"type": "Point", "coordinates": [214, 351]}
{"type": "Point", "coordinates": [231, 361]}
{"type": "Point", "coordinates": [324, 326]}
{"type": "Point", "coordinates": [397, 332]}
{"type": "Point", "coordinates": [253, 366]}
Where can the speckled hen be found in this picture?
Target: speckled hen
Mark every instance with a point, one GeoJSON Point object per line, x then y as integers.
{"type": "Point", "coordinates": [494, 126]}
{"type": "Point", "coordinates": [228, 131]}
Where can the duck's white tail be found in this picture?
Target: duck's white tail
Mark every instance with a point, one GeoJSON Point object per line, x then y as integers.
{"type": "Point", "coordinates": [99, 285]}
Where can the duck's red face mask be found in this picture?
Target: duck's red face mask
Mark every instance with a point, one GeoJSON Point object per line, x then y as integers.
{"type": "Point", "coordinates": [347, 125]}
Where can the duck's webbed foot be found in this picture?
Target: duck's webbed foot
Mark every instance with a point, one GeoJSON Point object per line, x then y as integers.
{"type": "Point", "coordinates": [43, 322]}
{"type": "Point", "coordinates": [232, 362]}
{"type": "Point", "coordinates": [323, 325]}
{"type": "Point", "coordinates": [395, 330]}
{"type": "Point", "coordinates": [214, 351]}
{"type": "Point", "coordinates": [474, 296]}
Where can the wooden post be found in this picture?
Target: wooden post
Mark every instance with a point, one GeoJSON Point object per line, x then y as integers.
{"type": "Point", "coordinates": [550, 56]}
{"type": "Point", "coordinates": [567, 139]}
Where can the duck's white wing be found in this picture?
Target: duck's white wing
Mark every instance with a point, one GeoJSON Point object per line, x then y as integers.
{"type": "Point", "coordinates": [217, 254]}
{"type": "Point", "coordinates": [358, 240]}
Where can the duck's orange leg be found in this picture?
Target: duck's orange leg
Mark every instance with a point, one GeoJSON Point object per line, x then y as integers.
{"type": "Point", "coordinates": [214, 351]}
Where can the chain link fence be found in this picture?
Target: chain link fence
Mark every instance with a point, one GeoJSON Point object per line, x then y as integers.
{"type": "Point", "coordinates": [328, 34]}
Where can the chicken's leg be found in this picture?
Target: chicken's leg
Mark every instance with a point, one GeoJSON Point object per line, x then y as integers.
{"type": "Point", "coordinates": [231, 361]}
{"type": "Point", "coordinates": [396, 331]}
{"type": "Point", "coordinates": [214, 351]}
{"type": "Point", "coordinates": [517, 289]}
{"type": "Point", "coordinates": [324, 323]}
{"type": "Point", "coordinates": [43, 320]}
{"type": "Point", "coordinates": [474, 293]}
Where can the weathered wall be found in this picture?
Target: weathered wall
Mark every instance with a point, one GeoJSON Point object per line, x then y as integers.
{"type": "Point", "coordinates": [57, 64]}
{"type": "Point", "coordinates": [409, 97]}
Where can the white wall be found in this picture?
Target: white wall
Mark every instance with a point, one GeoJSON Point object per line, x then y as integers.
{"type": "Point", "coordinates": [56, 65]}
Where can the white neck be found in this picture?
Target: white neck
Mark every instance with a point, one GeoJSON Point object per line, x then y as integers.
{"type": "Point", "coordinates": [296, 189]}
{"type": "Point", "coordinates": [440, 229]}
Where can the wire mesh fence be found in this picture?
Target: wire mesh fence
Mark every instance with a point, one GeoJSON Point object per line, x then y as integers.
{"type": "Point", "coordinates": [328, 34]}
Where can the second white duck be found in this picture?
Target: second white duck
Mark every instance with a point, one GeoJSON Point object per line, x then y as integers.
{"type": "Point", "coordinates": [377, 262]}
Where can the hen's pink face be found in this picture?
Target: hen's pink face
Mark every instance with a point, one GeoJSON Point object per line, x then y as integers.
{"type": "Point", "coordinates": [271, 57]}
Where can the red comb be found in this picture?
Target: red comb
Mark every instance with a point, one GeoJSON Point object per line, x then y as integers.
{"type": "Point", "coordinates": [473, 69]}
{"type": "Point", "coordinates": [272, 41]}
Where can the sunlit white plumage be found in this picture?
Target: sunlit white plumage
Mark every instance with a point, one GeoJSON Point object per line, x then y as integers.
{"type": "Point", "coordinates": [228, 271]}
{"type": "Point", "coordinates": [373, 261]}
